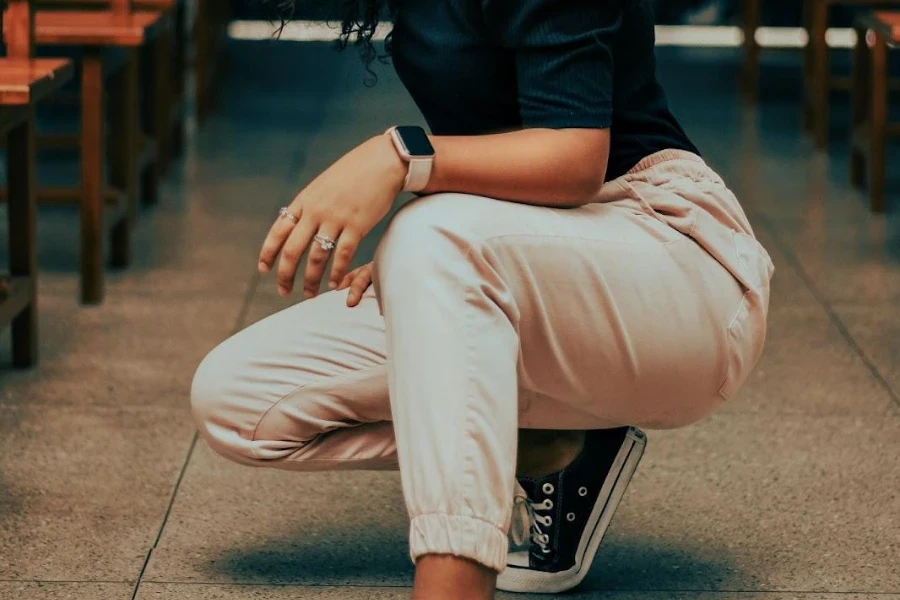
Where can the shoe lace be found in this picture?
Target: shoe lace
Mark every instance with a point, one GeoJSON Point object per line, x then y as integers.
{"type": "Point", "coordinates": [527, 520]}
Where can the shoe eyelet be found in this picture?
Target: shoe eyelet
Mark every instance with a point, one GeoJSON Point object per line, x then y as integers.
{"type": "Point", "coordinates": [547, 488]}
{"type": "Point", "coordinates": [548, 521]}
{"type": "Point", "coordinates": [549, 503]}
{"type": "Point", "coordinates": [545, 550]}
{"type": "Point", "coordinates": [570, 517]}
{"type": "Point", "coordinates": [582, 491]}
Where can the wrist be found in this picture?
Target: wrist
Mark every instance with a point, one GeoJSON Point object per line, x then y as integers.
{"type": "Point", "coordinates": [395, 167]}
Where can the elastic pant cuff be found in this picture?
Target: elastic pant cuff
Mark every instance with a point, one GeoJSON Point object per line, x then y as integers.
{"type": "Point", "coordinates": [470, 538]}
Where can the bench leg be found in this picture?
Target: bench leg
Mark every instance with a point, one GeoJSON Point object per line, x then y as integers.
{"type": "Point", "coordinates": [21, 211]}
{"type": "Point", "coordinates": [750, 71]}
{"type": "Point", "coordinates": [123, 171]}
{"type": "Point", "coordinates": [202, 59]}
{"type": "Point", "coordinates": [816, 86]}
{"type": "Point", "coordinates": [859, 89]}
{"type": "Point", "coordinates": [92, 133]}
{"type": "Point", "coordinates": [878, 123]}
{"type": "Point", "coordinates": [179, 73]}
{"type": "Point", "coordinates": [163, 99]}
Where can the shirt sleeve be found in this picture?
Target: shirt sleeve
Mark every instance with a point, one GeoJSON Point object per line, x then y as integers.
{"type": "Point", "coordinates": [563, 56]}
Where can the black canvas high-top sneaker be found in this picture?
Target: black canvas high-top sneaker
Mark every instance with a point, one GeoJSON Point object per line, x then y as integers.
{"type": "Point", "coordinates": [569, 512]}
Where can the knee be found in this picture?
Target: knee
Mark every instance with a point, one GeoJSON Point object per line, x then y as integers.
{"type": "Point", "coordinates": [429, 229]}
{"type": "Point", "coordinates": [216, 405]}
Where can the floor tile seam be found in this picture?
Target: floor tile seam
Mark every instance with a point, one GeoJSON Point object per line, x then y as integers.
{"type": "Point", "coordinates": [605, 590]}
{"type": "Point", "coordinates": [69, 581]}
{"type": "Point", "coordinates": [827, 306]}
{"type": "Point", "coordinates": [293, 164]}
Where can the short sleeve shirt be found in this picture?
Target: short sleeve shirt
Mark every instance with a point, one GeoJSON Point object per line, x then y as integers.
{"type": "Point", "coordinates": [488, 66]}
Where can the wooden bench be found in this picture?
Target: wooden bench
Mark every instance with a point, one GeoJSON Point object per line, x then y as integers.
{"type": "Point", "coordinates": [95, 33]}
{"type": "Point", "coordinates": [24, 81]}
{"type": "Point", "coordinates": [163, 73]}
{"type": "Point", "coordinates": [876, 32]}
{"type": "Point", "coordinates": [817, 79]}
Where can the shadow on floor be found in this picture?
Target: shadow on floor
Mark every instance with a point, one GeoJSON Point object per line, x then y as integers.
{"type": "Point", "coordinates": [361, 557]}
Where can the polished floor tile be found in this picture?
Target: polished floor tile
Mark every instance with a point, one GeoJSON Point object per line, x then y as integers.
{"type": "Point", "coordinates": [22, 590]}
{"type": "Point", "coordinates": [84, 489]}
{"type": "Point", "coordinates": [789, 491]}
{"type": "Point", "coordinates": [234, 524]}
{"type": "Point", "coordinates": [255, 592]}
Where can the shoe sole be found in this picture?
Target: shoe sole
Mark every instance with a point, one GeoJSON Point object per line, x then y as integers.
{"type": "Point", "coordinates": [519, 579]}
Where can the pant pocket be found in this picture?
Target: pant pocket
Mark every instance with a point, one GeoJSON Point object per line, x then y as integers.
{"type": "Point", "coordinates": [746, 332]}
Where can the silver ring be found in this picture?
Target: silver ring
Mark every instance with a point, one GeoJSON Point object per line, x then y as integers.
{"type": "Point", "coordinates": [325, 242]}
{"type": "Point", "coordinates": [284, 213]}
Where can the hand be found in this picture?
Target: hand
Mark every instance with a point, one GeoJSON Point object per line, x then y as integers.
{"type": "Point", "coordinates": [358, 280]}
{"type": "Point", "coordinates": [343, 203]}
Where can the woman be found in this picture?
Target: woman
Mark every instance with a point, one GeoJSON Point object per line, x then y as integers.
{"type": "Point", "coordinates": [570, 271]}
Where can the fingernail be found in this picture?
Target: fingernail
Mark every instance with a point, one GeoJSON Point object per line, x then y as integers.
{"type": "Point", "coordinates": [263, 267]}
{"type": "Point", "coordinates": [308, 294]}
{"type": "Point", "coordinates": [332, 284]}
{"type": "Point", "coordinates": [283, 292]}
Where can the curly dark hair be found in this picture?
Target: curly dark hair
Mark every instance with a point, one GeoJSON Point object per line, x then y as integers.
{"type": "Point", "coordinates": [358, 19]}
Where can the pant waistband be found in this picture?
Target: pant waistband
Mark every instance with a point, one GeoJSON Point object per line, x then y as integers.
{"type": "Point", "coordinates": [663, 156]}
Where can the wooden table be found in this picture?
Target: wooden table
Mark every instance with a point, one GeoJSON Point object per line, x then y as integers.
{"type": "Point", "coordinates": [23, 83]}
{"type": "Point", "coordinates": [95, 32]}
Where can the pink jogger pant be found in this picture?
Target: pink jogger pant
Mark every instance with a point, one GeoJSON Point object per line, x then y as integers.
{"type": "Point", "coordinates": [647, 307]}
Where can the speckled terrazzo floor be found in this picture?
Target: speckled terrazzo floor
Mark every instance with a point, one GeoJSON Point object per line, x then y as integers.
{"type": "Point", "coordinates": [791, 491]}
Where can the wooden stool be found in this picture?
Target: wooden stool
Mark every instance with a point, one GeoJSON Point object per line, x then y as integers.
{"type": "Point", "coordinates": [817, 81]}
{"type": "Point", "coordinates": [876, 31]}
{"type": "Point", "coordinates": [96, 33]}
{"type": "Point", "coordinates": [23, 82]}
{"type": "Point", "coordinates": [163, 74]}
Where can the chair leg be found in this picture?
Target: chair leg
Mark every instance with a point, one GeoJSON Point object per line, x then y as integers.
{"type": "Point", "coordinates": [92, 133]}
{"type": "Point", "coordinates": [201, 61]}
{"type": "Point", "coordinates": [178, 73]}
{"type": "Point", "coordinates": [21, 212]}
{"type": "Point", "coordinates": [859, 89]}
{"type": "Point", "coordinates": [817, 87]}
{"type": "Point", "coordinates": [750, 72]}
{"type": "Point", "coordinates": [807, 65]}
{"type": "Point", "coordinates": [124, 157]}
{"type": "Point", "coordinates": [163, 99]}
{"type": "Point", "coordinates": [878, 123]}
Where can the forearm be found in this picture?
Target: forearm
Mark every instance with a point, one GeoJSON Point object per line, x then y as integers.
{"type": "Point", "coordinates": [550, 167]}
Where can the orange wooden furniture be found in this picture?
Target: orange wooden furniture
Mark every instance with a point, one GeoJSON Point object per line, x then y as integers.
{"type": "Point", "coordinates": [817, 79]}
{"type": "Point", "coordinates": [876, 32]}
{"type": "Point", "coordinates": [95, 33]}
{"type": "Point", "coordinates": [24, 81]}
{"type": "Point", "coordinates": [163, 72]}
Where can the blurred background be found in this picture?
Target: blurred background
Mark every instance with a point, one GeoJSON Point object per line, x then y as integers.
{"type": "Point", "coordinates": [148, 146]}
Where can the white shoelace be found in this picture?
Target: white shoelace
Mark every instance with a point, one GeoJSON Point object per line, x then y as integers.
{"type": "Point", "coordinates": [525, 520]}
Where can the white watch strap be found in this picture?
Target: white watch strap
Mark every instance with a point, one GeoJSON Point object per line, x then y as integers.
{"type": "Point", "coordinates": [418, 174]}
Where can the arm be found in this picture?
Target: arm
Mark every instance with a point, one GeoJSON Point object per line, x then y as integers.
{"type": "Point", "coordinates": [564, 70]}
{"type": "Point", "coordinates": [551, 167]}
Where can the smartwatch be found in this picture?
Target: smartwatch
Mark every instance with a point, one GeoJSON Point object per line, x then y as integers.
{"type": "Point", "coordinates": [413, 147]}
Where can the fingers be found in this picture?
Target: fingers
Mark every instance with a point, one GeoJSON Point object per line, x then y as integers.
{"type": "Point", "coordinates": [318, 258]}
{"type": "Point", "coordinates": [360, 284]}
{"type": "Point", "coordinates": [346, 247]}
{"type": "Point", "coordinates": [292, 251]}
{"type": "Point", "coordinates": [275, 239]}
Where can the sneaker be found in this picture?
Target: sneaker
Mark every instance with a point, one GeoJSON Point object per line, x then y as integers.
{"type": "Point", "coordinates": [569, 511]}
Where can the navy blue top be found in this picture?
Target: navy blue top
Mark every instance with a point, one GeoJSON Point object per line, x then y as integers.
{"type": "Point", "coordinates": [487, 66]}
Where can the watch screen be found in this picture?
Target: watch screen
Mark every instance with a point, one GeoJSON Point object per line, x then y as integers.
{"type": "Point", "coordinates": [415, 140]}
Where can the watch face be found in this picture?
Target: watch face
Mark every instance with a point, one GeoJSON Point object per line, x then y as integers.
{"type": "Point", "coordinates": [415, 140]}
